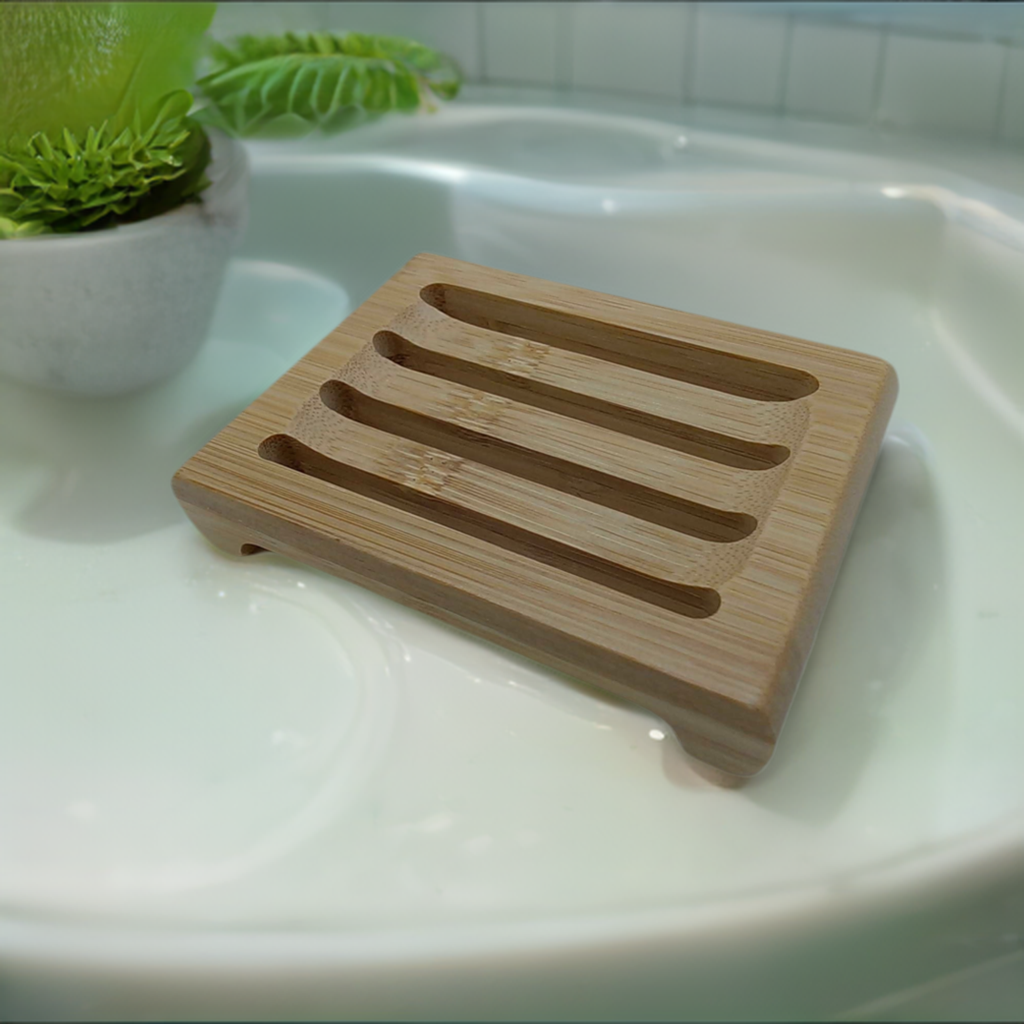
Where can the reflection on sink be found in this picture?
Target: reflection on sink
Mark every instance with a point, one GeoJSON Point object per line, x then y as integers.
{"type": "Point", "coordinates": [554, 145]}
{"type": "Point", "coordinates": [548, 143]}
{"type": "Point", "coordinates": [148, 780]}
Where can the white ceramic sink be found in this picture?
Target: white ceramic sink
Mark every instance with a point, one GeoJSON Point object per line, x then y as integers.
{"type": "Point", "coordinates": [240, 787]}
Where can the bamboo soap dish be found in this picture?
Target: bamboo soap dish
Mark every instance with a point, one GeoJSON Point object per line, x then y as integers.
{"type": "Point", "coordinates": [651, 501]}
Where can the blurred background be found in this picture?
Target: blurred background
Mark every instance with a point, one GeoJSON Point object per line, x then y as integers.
{"type": "Point", "coordinates": [943, 69]}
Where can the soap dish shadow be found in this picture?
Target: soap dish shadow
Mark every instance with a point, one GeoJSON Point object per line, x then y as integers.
{"type": "Point", "coordinates": [886, 612]}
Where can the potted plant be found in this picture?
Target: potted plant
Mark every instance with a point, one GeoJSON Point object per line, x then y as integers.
{"type": "Point", "coordinates": [123, 185]}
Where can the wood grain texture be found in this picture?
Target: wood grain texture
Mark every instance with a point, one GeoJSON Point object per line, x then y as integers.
{"type": "Point", "coordinates": [649, 500]}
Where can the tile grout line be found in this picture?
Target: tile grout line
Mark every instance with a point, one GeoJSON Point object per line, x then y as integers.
{"type": "Point", "coordinates": [564, 38]}
{"type": "Point", "coordinates": [874, 116]}
{"type": "Point", "coordinates": [917, 31]}
{"type": "Point", "coordinates": [1004, 75]}
{"type": "Point", "coordinates": [321, 17]}
{"type": "Point", "coordinates": [684, 44]}
{"type": "Point", "coordinates": [936, 35]}
{"type": "Point", "coordinates": [787, 47]}
{"type": "Point", "coordinates": [690, 51]}
{"type": "Point", "coordinates": [481, 48]}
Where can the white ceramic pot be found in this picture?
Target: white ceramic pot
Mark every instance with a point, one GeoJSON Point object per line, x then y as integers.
{"type": "Point", "coordinates": [107, 312]}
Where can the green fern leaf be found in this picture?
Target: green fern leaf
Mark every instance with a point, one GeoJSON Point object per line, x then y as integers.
{"type": "Point", "coordinates": [291, 83]}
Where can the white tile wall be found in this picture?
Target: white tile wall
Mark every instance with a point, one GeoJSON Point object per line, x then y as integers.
{"type": "Point", "coordinates": [949, 68]}
{"type": "Point", "coordinates": [1012, 121]}
{"type": "Point", "coordinates": [941, 83]}
{"type": "Point", "coordinates": [521, 42]}
{"type": "Point", "coordinates": [234, 19]}
{"type": "Point", "coordinates": [450, 27]}
{"type": "Point", "coordinates": [637, 48]}
{"type": "Point", "coordinates": [833, 71]}
{"type": "Point", "coordinates": [739, 56]}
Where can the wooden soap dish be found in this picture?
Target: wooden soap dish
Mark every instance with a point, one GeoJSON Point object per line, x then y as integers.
{"type": "Point", "coordinates": [651, 501]}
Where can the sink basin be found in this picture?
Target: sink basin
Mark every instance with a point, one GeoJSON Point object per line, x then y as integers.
{"type": "Point", "coordinates": [240, 787]}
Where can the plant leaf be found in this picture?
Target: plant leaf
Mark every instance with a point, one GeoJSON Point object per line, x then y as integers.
{"type": "Point", "coordinates": [15, 229]}
{"type": "Point", "coordinates": [268, 83]}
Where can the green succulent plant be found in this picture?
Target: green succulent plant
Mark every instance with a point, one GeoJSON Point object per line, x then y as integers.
{"type": "Point", "coordinates": [97, 125]}
{"type": "Point", "coordinates": [93, 113]}
{"type": "Point", "coordinates": [73, 184]}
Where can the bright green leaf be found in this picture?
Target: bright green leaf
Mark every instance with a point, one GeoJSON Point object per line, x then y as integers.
{"type": "Point", "coordinates": [290, 84]}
